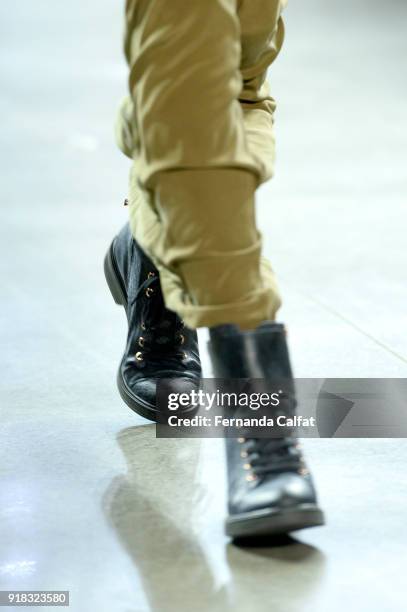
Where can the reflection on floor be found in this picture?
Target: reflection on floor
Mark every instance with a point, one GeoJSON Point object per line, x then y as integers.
{"type": "Point", "coordinates": [173, 532]}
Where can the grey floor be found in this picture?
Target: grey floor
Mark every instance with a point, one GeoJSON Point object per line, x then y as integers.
{"type": "Point", "coordinates": [89, 500]}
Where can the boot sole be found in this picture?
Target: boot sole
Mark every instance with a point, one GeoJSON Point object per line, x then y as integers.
{"type": "Point", "coordinates": [269, 522]}
{"type": "Point", "coordinates": [119, 295]}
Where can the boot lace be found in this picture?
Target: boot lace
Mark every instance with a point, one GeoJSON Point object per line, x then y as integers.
{"type": "Point", "coordinates": [267, 456]}
{"type": "Point", "coordinates": [161, 329]}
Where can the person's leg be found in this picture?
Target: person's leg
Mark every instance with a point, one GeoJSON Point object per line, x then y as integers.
{"type": "Point", "coordinates": [195, 166]}
{"type": "Point", "coordinates": [270, 489]}
{"type": "Point", "coordinates": [191, 193]}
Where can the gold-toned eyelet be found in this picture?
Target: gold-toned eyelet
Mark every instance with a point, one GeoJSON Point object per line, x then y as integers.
{"type": "Point", "coordinates": [247, 466]}
{"type": "Point", "coordinates": [149, 292]}
{"type": "Point", "coordinates": [150, 274]}
{"type": "Point", "coordinates": [141, 341]}
{"type": "Point", "coordinates": [181, 339]}
{"type": "Point", "coordinates": [139, 356]}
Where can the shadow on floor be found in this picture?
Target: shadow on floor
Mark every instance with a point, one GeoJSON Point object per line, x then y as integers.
{"type": "Point", "coordinates": [169, 522]}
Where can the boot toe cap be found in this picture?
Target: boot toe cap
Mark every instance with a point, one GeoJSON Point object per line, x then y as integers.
{"type": "Point", "coordinates": [286, 490]}
{"type": "Point", "coordinates": [140, 392]}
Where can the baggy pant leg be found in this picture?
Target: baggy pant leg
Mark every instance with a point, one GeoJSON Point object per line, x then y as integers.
{"type": "Point", "coordinates": [196, 162]}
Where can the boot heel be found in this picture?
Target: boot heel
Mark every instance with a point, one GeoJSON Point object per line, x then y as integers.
{"type": "Point", "coordinates": [112, 279]}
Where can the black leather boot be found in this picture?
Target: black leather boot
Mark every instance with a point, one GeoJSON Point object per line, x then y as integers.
{"type": "Point", "coordinates": [270, 488]}
{"type": "Point", "coordinates": [158, 344]}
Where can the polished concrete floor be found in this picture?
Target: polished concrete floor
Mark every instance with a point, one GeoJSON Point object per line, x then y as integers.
{"type": "Point", "coordinates": [90, 501]}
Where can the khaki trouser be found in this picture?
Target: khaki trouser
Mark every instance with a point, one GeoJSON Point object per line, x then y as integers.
{"type": "Point", "coordinates": [198, 127]}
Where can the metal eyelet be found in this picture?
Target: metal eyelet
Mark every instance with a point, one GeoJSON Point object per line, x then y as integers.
{"type": "Point", "coordinates": [181, 338]}
{"type": "Point", "coordinates": [184, 355]}
{"type": "Point", "coordinates": [149, 292]}
{"type": "Point", "coordinates": [303, 471]}
{"type": "Point", "coordinates": [251, 477]}
{"type": "Point", "coordinates": [244, 454]}
{"type": "Point", "coordinates": [143, 327]}
{"type": "Point", "coordinates": [139, 356]}
{"type": "Point", "coordinates": [247, 466]}
{"type": "Point", "coordinates": [241, 440]}
{"type": "Point", "coordinates": [150, 274]}
{"type": "Point", "coordinates": [141, 341]}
